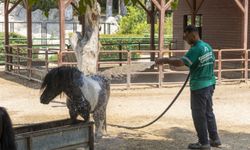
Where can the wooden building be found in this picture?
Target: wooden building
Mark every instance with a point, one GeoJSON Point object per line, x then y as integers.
{"type": "Point", "coordinates": [221, 22]}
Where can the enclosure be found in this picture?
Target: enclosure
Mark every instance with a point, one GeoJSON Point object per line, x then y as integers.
{"type": "Point", "coordinates": [136, 107]}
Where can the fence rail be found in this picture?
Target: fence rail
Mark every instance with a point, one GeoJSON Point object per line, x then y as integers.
{"type": "Point", "coordinates": [28, 67]}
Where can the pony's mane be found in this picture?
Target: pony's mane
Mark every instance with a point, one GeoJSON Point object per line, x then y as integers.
{"type": "Point", "coordinates": [63, 74]}
{"type": "Point", "coordinates": [7, 137]}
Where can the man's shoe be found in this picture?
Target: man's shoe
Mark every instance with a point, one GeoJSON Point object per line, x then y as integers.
{"type": "Point", "coordinates": [199, 146]}
{"type": "Point", "coordinates": [215, 143]}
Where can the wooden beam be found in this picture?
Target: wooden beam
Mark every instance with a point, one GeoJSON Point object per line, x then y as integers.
{"type": "Point", "coordinates": [140, 3]}
{"type": "Point", "coordinates": [14, 6]}
{"type": "Point", "coordinates": [199, 6]}
{"type": "Point", "coordinates": [168, 4]}
{"type": "Point", "coordinates": [240, 5]}
{"type": "Point", "coordinates": [189, 5]}
{"type": "Point", "coordinates": [25, 3]}
{"type": "Point", "coordinates": [158, 6]}
{"type": "Point", "coordinates": [61, 5]}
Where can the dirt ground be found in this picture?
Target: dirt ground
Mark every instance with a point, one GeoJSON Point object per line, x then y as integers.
{"type": "Point", "coordinates": [136, 107]}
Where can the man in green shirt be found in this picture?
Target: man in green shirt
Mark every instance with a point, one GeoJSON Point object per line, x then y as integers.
{"type": "Point", "coordinates": [200, 60]}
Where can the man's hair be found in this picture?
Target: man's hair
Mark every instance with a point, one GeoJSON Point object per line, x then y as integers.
{"type": "Point", "coordinates": [191, 28]}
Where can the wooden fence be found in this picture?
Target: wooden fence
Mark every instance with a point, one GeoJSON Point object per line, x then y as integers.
{"type": "Point", "coordinates": [37, 64]}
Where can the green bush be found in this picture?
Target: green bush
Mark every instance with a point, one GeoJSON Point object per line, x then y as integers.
{"type": "Point", "coordinates": [135, 22]}
{"type": "Point", "coordinates": [15, 39]}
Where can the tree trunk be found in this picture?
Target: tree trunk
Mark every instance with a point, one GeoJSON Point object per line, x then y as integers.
{"type": "Point", "coordinates": [109, 8]}
{"type": "Point", "coordinates": [123, 9]}
{"type": "Point", "coordinates": [86, 46]}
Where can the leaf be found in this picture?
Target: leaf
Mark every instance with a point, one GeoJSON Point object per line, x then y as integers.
{"type": "Point", "coordinates": [174, 4]}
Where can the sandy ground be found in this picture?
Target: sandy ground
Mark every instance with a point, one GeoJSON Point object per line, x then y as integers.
{"type": "Point", "coordinates": [136, 107]}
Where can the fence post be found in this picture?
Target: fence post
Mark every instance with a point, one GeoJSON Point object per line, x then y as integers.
{"type": "Point", "coordinates": [219, 65]}
{"type": "Point", "coordinates": [129, 72]}
{"type": "Point", "coordinates": [246, 66]}
{"type": "Point", "coordinates": [120, 54]}
{"type": "Point", "coordinates": [46, 60]}
{"type": "Point", "coordinates": [18, 60]}
{"type": "Point", "coordinates": [161, 75]}
{"type": "Point", "coordinates": [29, 62]}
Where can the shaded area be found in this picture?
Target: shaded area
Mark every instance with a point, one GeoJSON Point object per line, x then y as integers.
{"type": "Point", "coordinates": [174, 138]}
{"type": "Point", "coordinates": [19, 80]}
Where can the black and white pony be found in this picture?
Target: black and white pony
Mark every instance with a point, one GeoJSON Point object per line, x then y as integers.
{"type": "Point", "coordinates": [7, 137]}
{"type": "Point", "coordinates": [85, 94]}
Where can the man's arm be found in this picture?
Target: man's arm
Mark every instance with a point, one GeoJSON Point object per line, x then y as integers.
{"type": "Point", "coordinates": [177, 62]}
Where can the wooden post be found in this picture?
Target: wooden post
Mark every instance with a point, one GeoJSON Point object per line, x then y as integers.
{"type": "Point", "coordinates": [129, 72]}
{"type": "Point", "coordinates": [6, 33]}
{"type": "Point", "coordinates": [29, 36]}
{"type": "Point", "coordinates": [245, 43]}
{"type": "Point", "coordinates": [61, 5]}
{"type": "Point", "coordinates": [161, 39]}
{"type": "Point", "coordinates": [152, 31]}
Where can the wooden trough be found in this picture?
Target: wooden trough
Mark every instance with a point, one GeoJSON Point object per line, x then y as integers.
{"type": "Point", "coordinates": [60, 134]}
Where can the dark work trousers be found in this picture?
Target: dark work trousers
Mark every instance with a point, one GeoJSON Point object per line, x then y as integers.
{"type": "Point", "coordinates": [202, 113]}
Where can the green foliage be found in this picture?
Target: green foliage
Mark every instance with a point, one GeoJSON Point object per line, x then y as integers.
{"type": "Point", "coordinates": [135, 22]}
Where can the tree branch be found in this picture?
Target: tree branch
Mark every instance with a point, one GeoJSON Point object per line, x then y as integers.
{"type": "Point", "coordinates": [140, 3]}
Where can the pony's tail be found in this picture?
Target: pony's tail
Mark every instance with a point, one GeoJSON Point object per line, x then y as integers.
{"type": "Point", "coordinates": [7, 136]}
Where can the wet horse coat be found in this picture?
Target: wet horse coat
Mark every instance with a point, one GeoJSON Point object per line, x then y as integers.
{"type": "Point", "coordinates": [85, 94]}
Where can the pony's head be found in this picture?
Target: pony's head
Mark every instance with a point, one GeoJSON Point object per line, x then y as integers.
{"type": "Point", "coordinates": [56, 81]}
{"type": "Point", "coordinates": [7, 137]}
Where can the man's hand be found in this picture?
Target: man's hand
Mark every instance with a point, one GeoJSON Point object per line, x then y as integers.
{"type": "Point", "coordinates": [161, 61]}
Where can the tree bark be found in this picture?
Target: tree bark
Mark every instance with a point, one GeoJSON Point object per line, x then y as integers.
{"type": "Point", "coordinates": [109, 8]}
{"type": "Point", "coordinates": [86, 46]}
{"type": "Point", "coordinates": [123, 9]}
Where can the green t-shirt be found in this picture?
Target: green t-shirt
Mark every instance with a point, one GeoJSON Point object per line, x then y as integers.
{"type": "Point", "coordinates": [200, 60]}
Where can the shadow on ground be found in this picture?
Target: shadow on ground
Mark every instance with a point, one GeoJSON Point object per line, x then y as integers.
{"type": "Point", "coordinates": [19, 80]}
{"type": "Point", "coordinates": [169, 139]}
